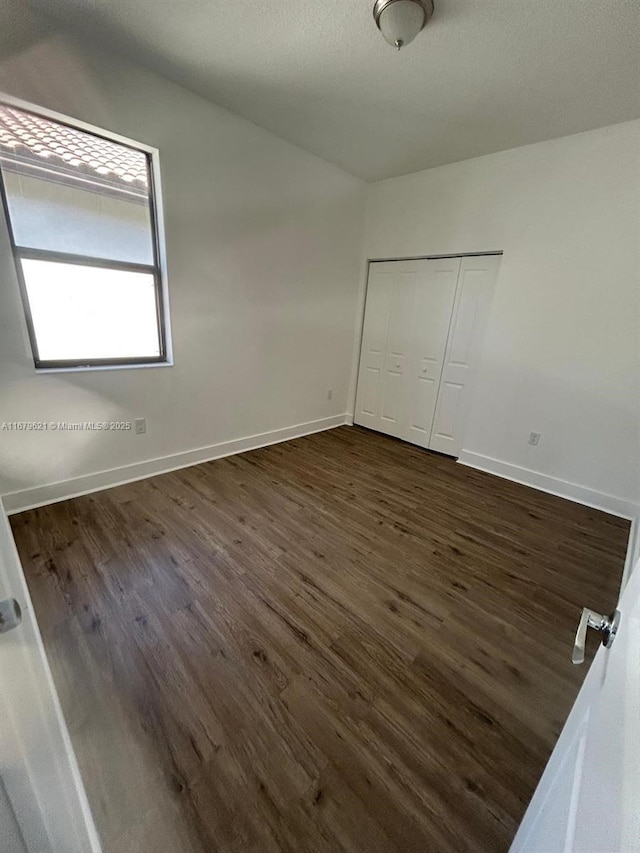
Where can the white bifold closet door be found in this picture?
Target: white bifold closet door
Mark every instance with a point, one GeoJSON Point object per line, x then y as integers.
{"type": "Point", "coordinates": [423, 328]}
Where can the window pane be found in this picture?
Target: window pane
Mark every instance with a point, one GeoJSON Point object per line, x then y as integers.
{"type": "Point", "coordinates": [86, 313]}
{"type": "Point", "coordinates": [72, 191]}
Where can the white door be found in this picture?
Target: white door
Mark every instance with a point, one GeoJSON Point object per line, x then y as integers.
{"type": "Point", "coordinates": [588, 799]}
{"type": "Point", "coordinates": [474, 294]}
{"type": "Point", "coordinates": [10, 836]}
{"type": "Point", "coordinates": [43, 807]}
{"type": "Point", "coordinates": [406, 322]}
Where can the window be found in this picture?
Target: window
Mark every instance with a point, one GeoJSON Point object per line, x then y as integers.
{"type": "Point", "coordinates": [81, 214]}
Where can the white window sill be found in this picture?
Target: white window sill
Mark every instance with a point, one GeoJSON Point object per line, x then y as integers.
{"type": "Point", "coordinates": [101, 367]}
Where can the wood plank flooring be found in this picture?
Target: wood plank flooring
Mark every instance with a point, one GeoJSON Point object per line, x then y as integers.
{"type": "Point", "coordinates": [340, 643]}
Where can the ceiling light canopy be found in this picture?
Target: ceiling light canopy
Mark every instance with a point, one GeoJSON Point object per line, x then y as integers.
{"type": "Point", "coordinates": [400, 21]}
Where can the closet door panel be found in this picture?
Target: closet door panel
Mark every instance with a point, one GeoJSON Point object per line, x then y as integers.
{"type": "Point", "coordinates": [374, 344]}
{"type": "Point", "coordinates": [392, 402]}
{"type": "Point", "coordinates": [450, 401]}
{"type": "Point", "coordinates": [431, 315]}
{"type": "Point", "coordinates": [407, 318]}
{"type": "Point", "coordinates": [422, 394]}
{"type": "Point", "coordinates": [368, 389]}
{"type": "Point", "coordinates": [394, 390]}
{"type": "Point", "coordinates": [470, 316]}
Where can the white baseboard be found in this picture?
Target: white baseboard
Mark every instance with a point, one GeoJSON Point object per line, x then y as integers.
{"type": "Point", "coordinates": [552, 485]}
{"type": "Point", "coordinates": [24, 499]}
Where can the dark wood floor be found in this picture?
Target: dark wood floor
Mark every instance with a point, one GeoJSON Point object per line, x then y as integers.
{"type": "Point", "coordinates": [341, 643]}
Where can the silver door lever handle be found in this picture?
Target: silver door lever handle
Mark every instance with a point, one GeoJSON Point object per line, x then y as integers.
{"type": "Point", "coordinates": [10, 615]}
{"type": "Point", "coordinates": [607, 625]}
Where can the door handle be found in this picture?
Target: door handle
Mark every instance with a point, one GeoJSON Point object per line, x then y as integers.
{"type": "Point", "coordinates": [10, 615]}
{"type": "Point", "coordinates": [607, 625]}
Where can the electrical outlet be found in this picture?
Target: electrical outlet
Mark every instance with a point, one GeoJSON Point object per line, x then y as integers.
{"type": "Point", "coordinates": [140, 425]}
{"type": "Point", "coordinates": [534, 438]}
{"type": "Point", "coordinates": [330, 394]}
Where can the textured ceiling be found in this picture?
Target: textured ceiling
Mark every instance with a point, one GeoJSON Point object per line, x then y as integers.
{"type": "Point", "coordinates": [485, 75]}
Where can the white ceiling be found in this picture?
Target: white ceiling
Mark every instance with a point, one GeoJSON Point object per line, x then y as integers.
{"type": "Point", "coordinates": [482, 77]}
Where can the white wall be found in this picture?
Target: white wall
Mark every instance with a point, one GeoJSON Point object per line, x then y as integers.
{"type": "Point", "coordinates": [263, 244]}
{"type": "Point", "coordinates": [561, 353]}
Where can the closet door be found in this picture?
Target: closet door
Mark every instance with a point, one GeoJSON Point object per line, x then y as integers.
{"type": "Point", "coordinates": [369, 396]}
{"type": "Point", "coordinates": [407, 316]}
{"type": "Point", "coordinates": [470, 315]}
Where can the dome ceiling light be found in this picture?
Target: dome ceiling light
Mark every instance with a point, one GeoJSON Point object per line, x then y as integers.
{"type": "Point", "coordinates": [400, 21]}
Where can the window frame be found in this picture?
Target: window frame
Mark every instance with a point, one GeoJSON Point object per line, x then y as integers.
{"type": "Point", "coordinates": [157, 268]}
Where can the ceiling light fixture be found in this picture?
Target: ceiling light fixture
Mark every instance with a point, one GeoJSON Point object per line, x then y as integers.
{"type": "Point", "coordinates": [400, 21]}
